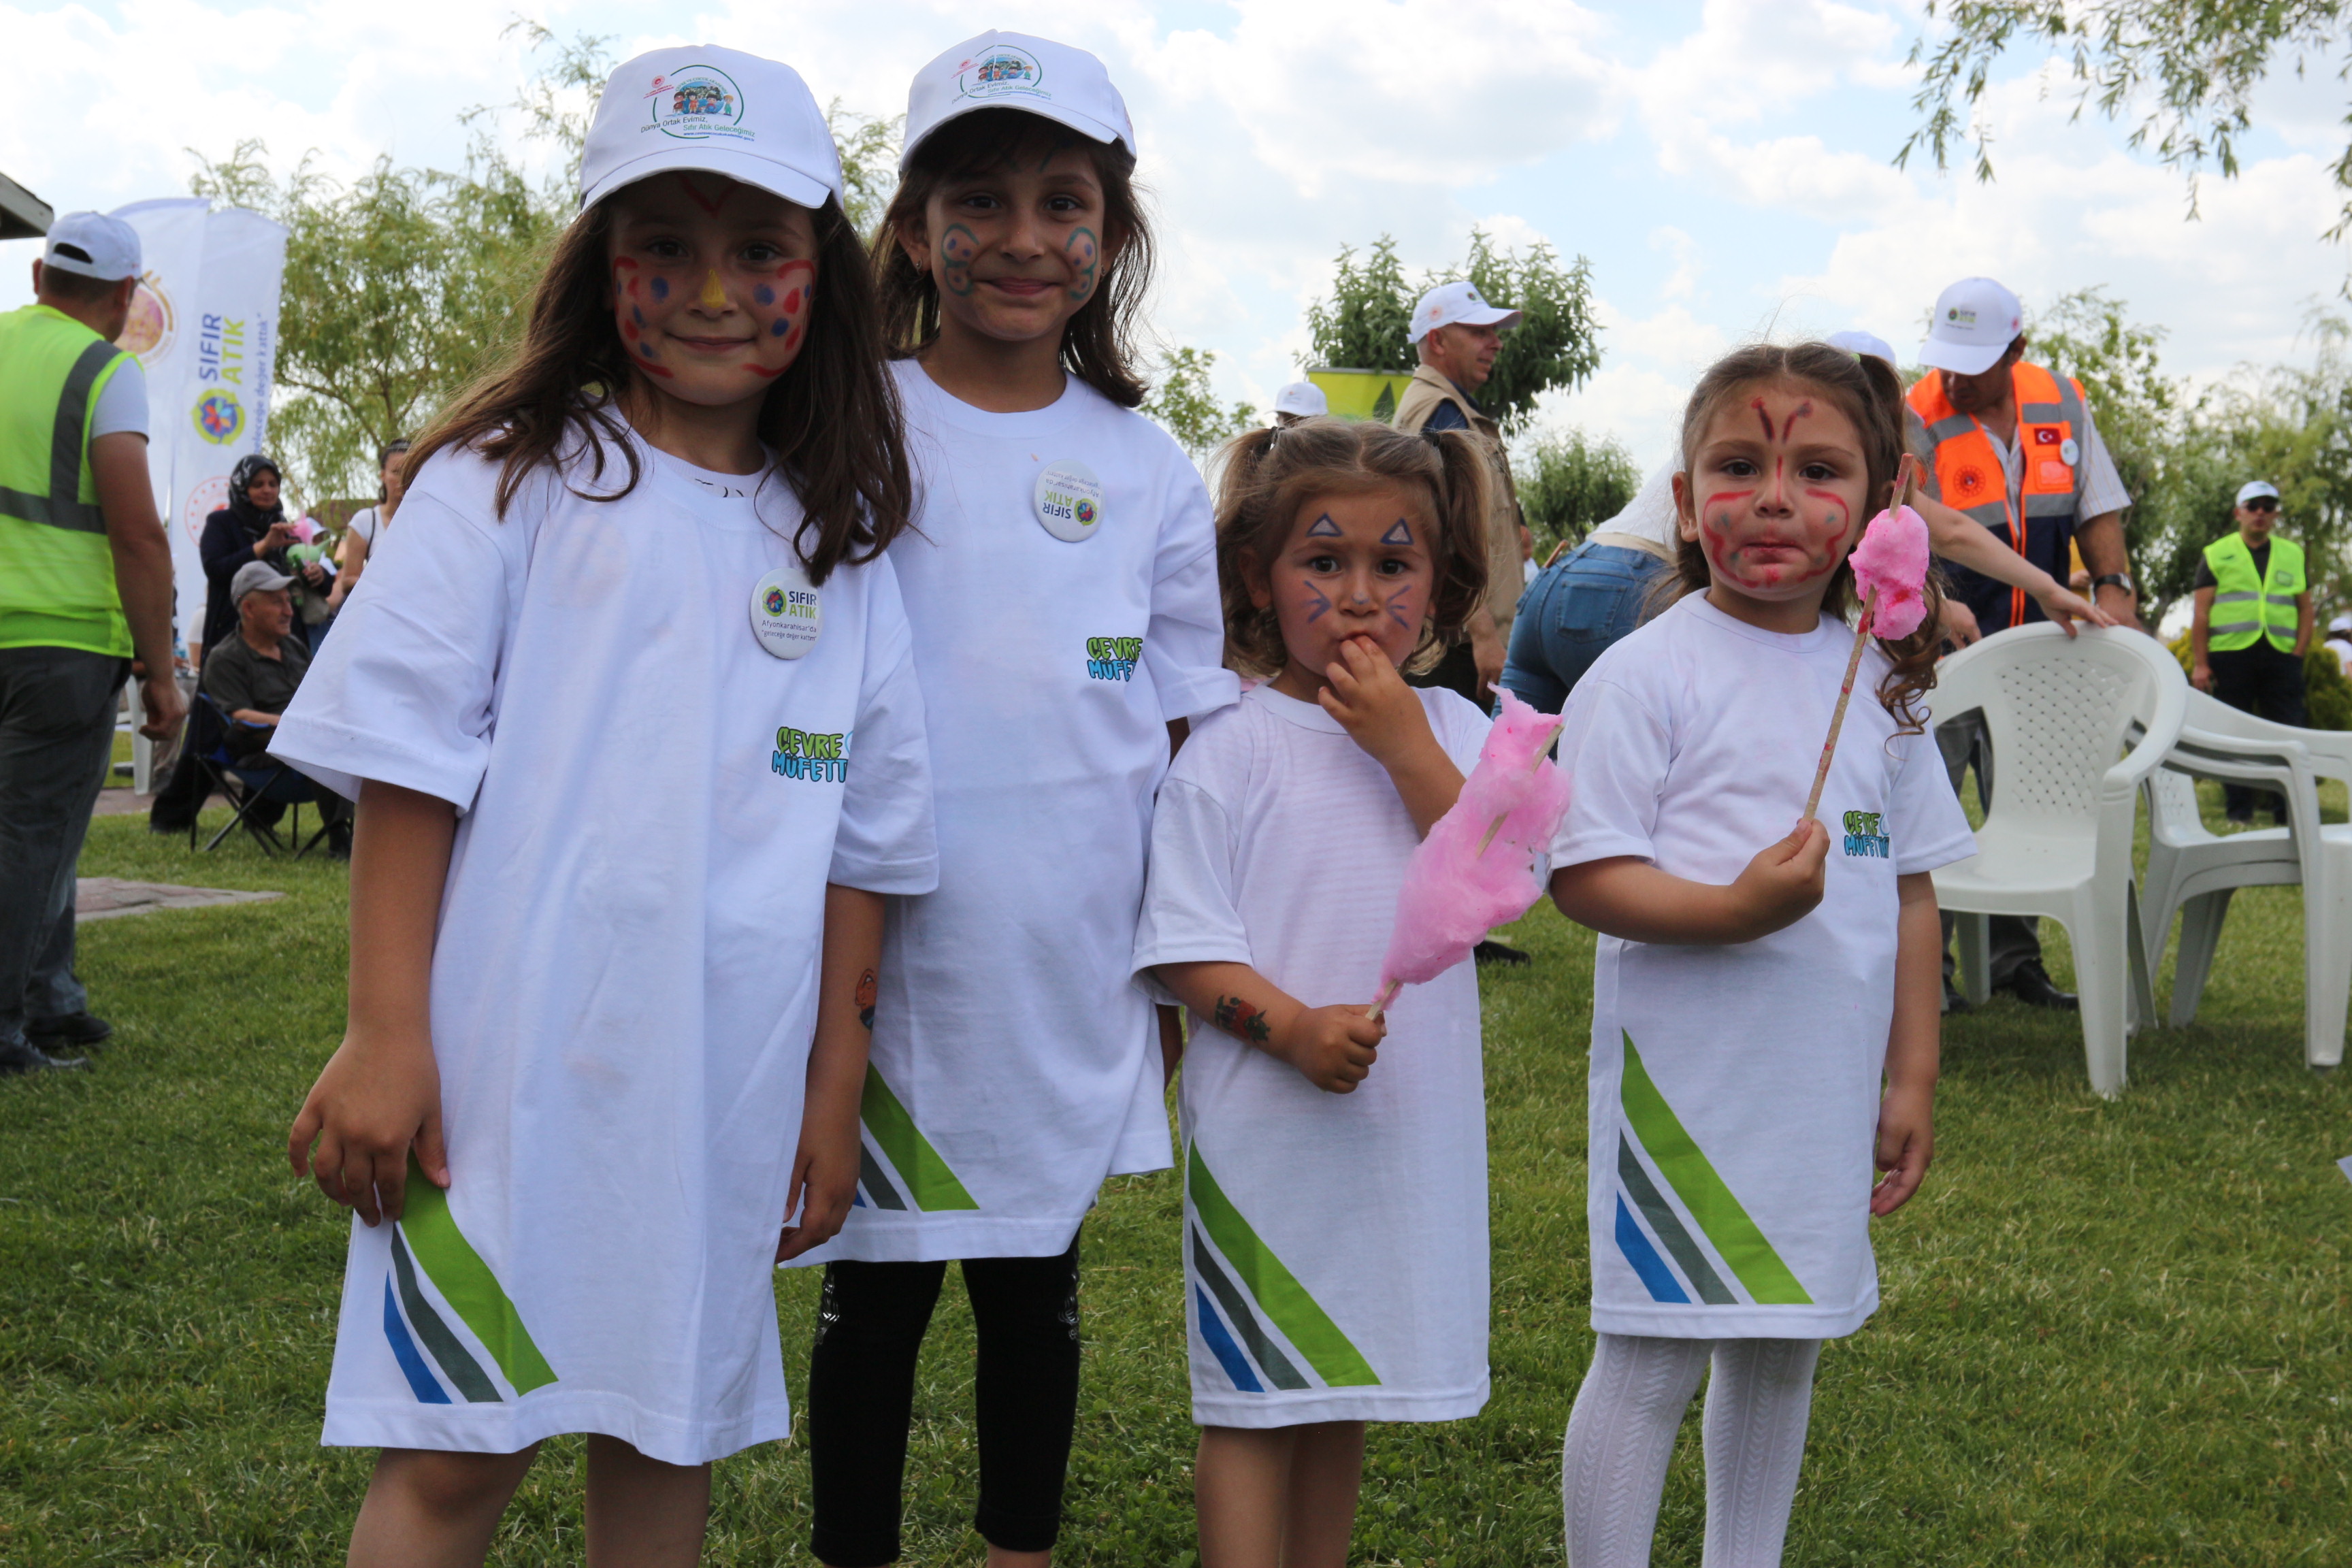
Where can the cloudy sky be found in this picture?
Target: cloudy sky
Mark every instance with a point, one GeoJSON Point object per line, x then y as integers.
{"type": "Point", "coordinates": [1726, 166]}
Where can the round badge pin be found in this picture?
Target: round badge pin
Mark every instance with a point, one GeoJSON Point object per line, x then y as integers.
{"type": "Point", "coordinates": [787, 615]}
{"type": "Point", "coordinates": [1070, 502]}
{"type": "Point", "coordinates": [2070, 451]}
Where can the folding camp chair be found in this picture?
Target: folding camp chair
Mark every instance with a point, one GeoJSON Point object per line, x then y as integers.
{"type": "Point", "coordinates": [247, 782]}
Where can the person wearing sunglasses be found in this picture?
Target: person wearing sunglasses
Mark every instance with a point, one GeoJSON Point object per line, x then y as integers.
{"type": "Point", "coordinates": [2252, 626]}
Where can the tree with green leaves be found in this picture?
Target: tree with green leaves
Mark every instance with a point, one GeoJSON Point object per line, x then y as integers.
{"type": "Point", "coordinates": [2184, 72]}
{"type": "Point", "coordinates": [1184, 406]}
{"type": "Point", "coordinates": [1569, 482]}
{"type": "Point", "coordinates": [1364, 323]}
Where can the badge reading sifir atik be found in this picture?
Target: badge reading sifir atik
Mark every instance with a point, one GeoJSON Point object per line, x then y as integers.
{"type": "Point", "coordinates": [1069, 501]}
{"type": "Point", "coordinates": [787, 616]}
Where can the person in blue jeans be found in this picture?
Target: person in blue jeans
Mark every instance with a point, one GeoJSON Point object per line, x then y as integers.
{"type": "Point", "coordinates": [1580, 605]}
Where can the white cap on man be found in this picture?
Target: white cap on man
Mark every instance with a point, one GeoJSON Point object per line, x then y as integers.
{"type": "Point", "coordinates": [714, 110]}
{"type": "Point", "coordinates": [2340, 623]}
{"type": "Point", "coordinates": [1976, 321]}
{"type": "Point", "coordinates": [1016, 70]}
{"type": "Point", "coordinates": [2253, 489]}
{"type": "Point", "coordinates": [1303, 398]}
{"type": "Point", "coordinates": [1457, 305]}
{"type": "Point", "coordinates": [1860, 342]}
{"type": "Point", "coordinates": [93, 245]}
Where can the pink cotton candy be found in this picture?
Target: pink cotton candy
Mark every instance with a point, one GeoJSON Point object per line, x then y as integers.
{"type": "Point", "coordinates": [1453, 894]}
{"type": "Point", "coordinates": [1893, 559]}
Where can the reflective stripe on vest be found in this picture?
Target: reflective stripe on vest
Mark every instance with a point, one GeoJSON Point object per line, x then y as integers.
{"type": "Point", "coordinates": [1969, 473]}
{"type": "Point", "coordinates": [57, 568]}
{"type": "Point", "coordinates": [2246, 607]}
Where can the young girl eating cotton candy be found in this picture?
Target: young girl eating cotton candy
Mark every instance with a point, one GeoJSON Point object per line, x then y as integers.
{"type": "Point", "coordinates": [1335, 1191]}
{"type": "Point", "coordinates": [629, 707]}
{"type": "Point", "coordinates": [1060, 576]}
{"type": "Point", "coordinates": [1764, 1024]}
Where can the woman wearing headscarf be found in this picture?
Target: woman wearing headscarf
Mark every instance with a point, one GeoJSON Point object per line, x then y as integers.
{"type": "Point", "coordinates": [251, 527]}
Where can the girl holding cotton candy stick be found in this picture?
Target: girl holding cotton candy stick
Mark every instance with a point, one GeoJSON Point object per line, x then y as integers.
{"type": "Point", "coordinates": [1335, 1172]}
{"type": "Point", "coordinates": [1765, 1025]}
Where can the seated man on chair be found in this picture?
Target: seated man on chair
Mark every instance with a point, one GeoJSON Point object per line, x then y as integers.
{"type": "Point", "coordinates": [253, 675]}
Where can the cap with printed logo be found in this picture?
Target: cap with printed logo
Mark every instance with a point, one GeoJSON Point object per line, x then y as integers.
{"type": "Point", "coordinates": [1976, 319]}
{"type": "Point", "coordinates": [2253, 488]}
{"type": "Point", "coordinates": [714, 110]}
{"type": "Point", "coordinates": [1015, 70]}
{"type": "Point", "coordinates": [256, 578]}
{"type": "Point", "coordinates": [1859, 342]}
{"type": "Point", "coordinates": [93, 245]}
{"type": "Point", "coordinates": [1457, 305]}
{"type": "Point", "coordinates": [1303, 398]}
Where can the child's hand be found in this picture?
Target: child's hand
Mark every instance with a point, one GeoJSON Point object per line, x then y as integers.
{"type": "Point", "coordinates": [822, 1187]}
{"type": "Point", "coordinates": [1378, 710]}
{"type": "Point", "coordinates": [1907, 1144]}
{"type": "Point", "coordinates": [1782, 884]}
{"type": "Point", "coordinates": [375, 1099]}
{"type": "Point", "coordinates": [1332, 1047]}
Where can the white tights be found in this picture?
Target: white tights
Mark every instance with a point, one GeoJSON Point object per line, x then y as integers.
{"type": "Point", "coordinates": [1622, 1432]}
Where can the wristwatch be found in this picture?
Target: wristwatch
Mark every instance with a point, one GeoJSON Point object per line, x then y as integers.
{"type": "Point", "coordinates": [2117, 579]}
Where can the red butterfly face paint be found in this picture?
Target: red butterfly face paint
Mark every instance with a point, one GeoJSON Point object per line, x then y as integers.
{"type": "Point", "coordinates": [1774, 498]}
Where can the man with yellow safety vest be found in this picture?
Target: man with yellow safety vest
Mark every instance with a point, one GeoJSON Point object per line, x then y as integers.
{"type": "Point", "coordinates": [85, 590]}
{"type": "Point", "coordinates": [2014, 447]}
{"type": "Point", "coordinates": [2252, 624]}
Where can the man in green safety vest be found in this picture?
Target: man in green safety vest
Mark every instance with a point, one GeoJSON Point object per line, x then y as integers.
{"type": "Point", "coordinates": [85, 590]}
{"type": "Point", "coordinates": [2252, 624]}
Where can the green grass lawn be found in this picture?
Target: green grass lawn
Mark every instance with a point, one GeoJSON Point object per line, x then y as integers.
{"type": "Point", "coordinates": [2114, 1332]}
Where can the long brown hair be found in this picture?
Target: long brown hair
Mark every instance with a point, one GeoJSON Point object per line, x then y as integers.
{"type": "Point", "coordinates": [1098, 343]}
{"type": "Point", "coordinates": [1268, 474]}
{"type": "Point", "coordinates": [1866, 390]}
{"type": "Point", "coordinates": [832, 419]}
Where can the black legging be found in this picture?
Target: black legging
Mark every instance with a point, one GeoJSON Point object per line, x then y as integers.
{"type": "Point", "coordinates": [861, 1396]}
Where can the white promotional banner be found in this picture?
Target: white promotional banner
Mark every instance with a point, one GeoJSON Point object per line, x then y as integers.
{"type": "Point", "coordinates": [205, 327]}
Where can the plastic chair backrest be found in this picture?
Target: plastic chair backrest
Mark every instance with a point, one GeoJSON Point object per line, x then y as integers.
{"type": "Point", "coordinates": [2329, 751]}
{"type": "Point", "coordinates": [2173, 815]}
{"type": "Point", "coordinates": [2061, 711]}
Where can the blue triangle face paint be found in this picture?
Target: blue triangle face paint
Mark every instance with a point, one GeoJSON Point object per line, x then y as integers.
{"type": "Point", "coordinates": [1323, 527]}
{"type": "Point", "coordinates": [1400, 535]}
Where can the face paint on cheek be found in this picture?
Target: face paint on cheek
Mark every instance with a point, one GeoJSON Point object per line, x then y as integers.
{"type": "Point", "coordinates": [1083, 252]}
{"type": "Point", "coordinates": [780, 310]}
{"type": "Point", "coordinates": [1401, 609]}
{"type": "Point", "coordinates": [660, 287]}
{"type": "Point", "coordinates": [959, 248]}
{"type": "Point", "coordinates": [1313, 602]}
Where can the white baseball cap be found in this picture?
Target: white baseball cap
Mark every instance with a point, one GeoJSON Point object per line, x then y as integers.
{"type": "Point", "coordinates": [1976, 321]}
{"type": "Point", "coordinates": [1303, 398]}
{"type": "Point", "coordinates": [1016, 70]}
{"type": "Point", "coordinates": [2253, 488]}
{"type": "Point", "coordinates": [1457, 305]}
{"type": "Point", "coordinates": [1861, 342]}
{"type": "Point", "coordinates": [2340, 623]}
{"type": "Point", "coordinates": [93, 245]}
{"type": "Point", "coordinates": [720, 111]}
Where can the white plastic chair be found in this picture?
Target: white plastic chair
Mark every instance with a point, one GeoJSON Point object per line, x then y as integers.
{"type": "Point", "coordinates": [2194, 872]}
{"type": "Point", "coordinates": [2058, 838]}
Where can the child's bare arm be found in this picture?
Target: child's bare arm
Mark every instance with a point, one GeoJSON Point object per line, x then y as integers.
{"type": "Point", "coordinates": [379, 1093]}
{"type": "Point", "coordinates": [1629, 898]}
{"type": "Point", "coordinates": [1906, 1119]}
{"type": "Point", "coordinates": [1384, 716]}
{"type": "Point", "coordinates": [1332, 1047]}
{"type": "Point", "coordinates": [824, 1168]}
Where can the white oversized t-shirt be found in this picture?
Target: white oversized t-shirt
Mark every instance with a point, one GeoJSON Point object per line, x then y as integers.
{"type": "Point", "coordinates": [1335, 1245]}
{"type": "Point", "coordinates": [1014, 1067]}
{"type": "Point", "coordinates": [625, 977]}
{"type": "Point", "coordinates": [1735, 1090]}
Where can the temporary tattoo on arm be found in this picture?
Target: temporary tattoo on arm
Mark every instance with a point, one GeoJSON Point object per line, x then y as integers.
{"type": "Point", "coordinates": [866, 991]}
{"type": "Point", "coordinates": [1323, 527]}
{"type": "Point", "coordinates": [1239, 1019]}
{"type": "Point", "coordinates": [1083, 250]}
{"type": "Point", "coordinates": [1398, 534]}
{"type": "Point", "coordinates": [959, 248]}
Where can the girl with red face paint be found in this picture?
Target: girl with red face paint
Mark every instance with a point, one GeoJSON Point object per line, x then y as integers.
{"type": "Point", "coordinates": [1765, 1025]}
{"type": "Point", "coordinates": [1335, 1198]}
{"type": "Point", "coordinates": [1060, 579]}
{"type": "Point", "coordinates": [629, 706]}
